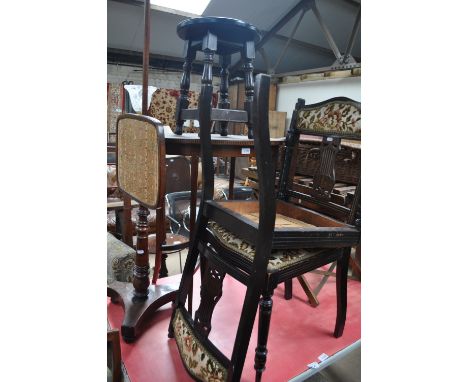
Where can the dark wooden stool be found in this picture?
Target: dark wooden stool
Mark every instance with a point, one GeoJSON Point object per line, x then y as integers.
{"type": "Point", "coordinates": [223, 36]}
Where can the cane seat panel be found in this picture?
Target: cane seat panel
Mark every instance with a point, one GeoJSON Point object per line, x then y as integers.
{"type": "Point", "coordinates": [279, 259]}
{"type": "Point", "coordinates": [138, 170]}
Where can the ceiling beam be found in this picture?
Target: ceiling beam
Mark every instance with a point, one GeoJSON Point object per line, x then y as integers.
{"type": "Point", "coordinates": [306, 45]}
{"type": "Point", "coordinates": [302, 4]}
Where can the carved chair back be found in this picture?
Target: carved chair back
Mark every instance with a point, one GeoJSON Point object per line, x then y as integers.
{"type": "Point", "coordinates": [333, 120]}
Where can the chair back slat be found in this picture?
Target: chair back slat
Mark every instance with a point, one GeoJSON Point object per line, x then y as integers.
{"type": "Point", "coordinates": [140, 152]}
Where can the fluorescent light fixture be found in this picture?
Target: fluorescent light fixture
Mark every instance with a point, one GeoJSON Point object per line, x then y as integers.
{"type": "Point", "coordinates": [191, 6]}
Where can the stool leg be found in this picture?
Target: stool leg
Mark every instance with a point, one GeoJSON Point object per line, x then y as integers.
{"type": "Point", "coordinates": [224, 92]}
{"type": "Point", "coordinates": [248, 55]}
{"type": "Point", "coordinates": [209, 46]}
{"type": "Point", "coordinates": [341, 291]}
{"type": "Point", "coordinates": [183, 100]}
{"type": "Point", "coordinates": [264, 312]}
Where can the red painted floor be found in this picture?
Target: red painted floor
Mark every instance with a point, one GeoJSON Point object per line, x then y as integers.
{"type": "Point", "coordinates": [298, 333]}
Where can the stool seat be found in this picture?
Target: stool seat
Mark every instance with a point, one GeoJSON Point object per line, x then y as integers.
{"type": "Point", "coordinates": [231, 33]}
{"type": "Point", "coordinates": [224, 37]}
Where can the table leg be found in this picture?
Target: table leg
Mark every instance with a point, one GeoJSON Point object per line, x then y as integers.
{"type": "Point", "coordinates": [232, 173]}
{"type": "Point", "coordinates": [127, 226]}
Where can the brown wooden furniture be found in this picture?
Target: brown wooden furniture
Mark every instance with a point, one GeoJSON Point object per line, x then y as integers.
{"type": "Point", "coordinates": [141, 174]}
{"type": "Point", "coordinates": [347, 175]}
{"type": "Point", "coordinates": [329, 121]}
{"type": "Point", "coordinates": [222, 36]}
{"type": "Point", "coordinates": [232, 146]}
{"type": "Point", "coordinates": [261, 244]}
{"type": "Point", "coordinates": [115, 361]}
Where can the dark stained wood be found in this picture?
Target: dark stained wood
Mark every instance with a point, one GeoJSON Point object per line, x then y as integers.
{"type": "Point", "coordinates": [224, 92]}
{"type": "Point", "coordinates": [266, 224]}
{"type": "Point", "coordinates": [138, 311]}
{"type": "Point", "coordinates": [211, 292]}
{"type": "Point", "coordinates": [183, 100]}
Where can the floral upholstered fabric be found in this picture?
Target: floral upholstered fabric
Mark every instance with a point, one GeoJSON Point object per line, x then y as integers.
{"type": "Point", "coordinates": [163, 107]}
{"type": "Point", "coordinates": [279, 259]}
{"type": "Point", "coordinates": [120, 260]}
{"type": "Point", "coordinates": [200, 362]}
{"type": "Point", "coordinates": [333, 118]}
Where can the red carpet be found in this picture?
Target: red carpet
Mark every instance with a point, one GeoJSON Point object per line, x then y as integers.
{"type": "Point", "coordinates": [298, 333]}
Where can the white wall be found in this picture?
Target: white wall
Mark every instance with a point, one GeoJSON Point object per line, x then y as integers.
{"type": "Point", "coordinates": [316, 91]}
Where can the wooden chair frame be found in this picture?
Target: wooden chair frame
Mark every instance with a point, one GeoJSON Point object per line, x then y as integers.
{"type": "Point", "coordinates": [325, 174]}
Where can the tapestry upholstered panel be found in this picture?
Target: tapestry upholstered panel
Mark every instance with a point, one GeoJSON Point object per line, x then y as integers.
{"type": "Point", "coordinates": [163, 107]}
{"type": "Point", "coordinates": [120, 260]}
{"type": "Point", "coordinates": [333, 118]}
{"type": "Point", "coordinates": [197, 359]}
{"type": "Point", "coordinates": [137, 158]}
{"type": "Point", "coordinates": [279, 259]}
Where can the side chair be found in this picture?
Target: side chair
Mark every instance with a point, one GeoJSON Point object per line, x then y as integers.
{"type": "Point", "coordinates": [332, 119]}
{"type": "Point", "coordinates": [260, 243]}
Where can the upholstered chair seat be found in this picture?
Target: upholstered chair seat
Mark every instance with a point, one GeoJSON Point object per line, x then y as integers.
{"type": "Point", "coordinates": [120, 260]}
{"type": "Point", "coordinates": [280, 259]}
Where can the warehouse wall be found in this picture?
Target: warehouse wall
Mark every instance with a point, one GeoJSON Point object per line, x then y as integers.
{"type": "Point", "coordinates": [116, 74]}
{"type": "Point", "coordinates": [316, 91]}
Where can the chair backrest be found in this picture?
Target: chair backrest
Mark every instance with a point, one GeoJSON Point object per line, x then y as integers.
{"type": "Point", "coordinates": [333, 119]}
{"type": "Point", "coordinates": [141, 156]}
{"type": "Point", "coordinates": [178, 173]}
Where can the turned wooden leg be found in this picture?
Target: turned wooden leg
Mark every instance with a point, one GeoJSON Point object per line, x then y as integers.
{"type": "Point", "coordinates": [341, 291]}
{"type": "Point", "coordinates": [183, 100]}
{"type": "Point", "coordinates": [210, 294]}
{"type": "Point", "coordinates": [244, 331]}
{"type": "Point", "coordinates": [248, 55]}
{"type": "Point", "coordinates": [264, 311]}
{"type": "Point", "coordinates": [163, 272]}
{"type": "Point", "coordinates": [224, 92]}
{"type": "Point", "coordinates": [141, 268]}
{"type": "Point", "coordinates": [288, 289]}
